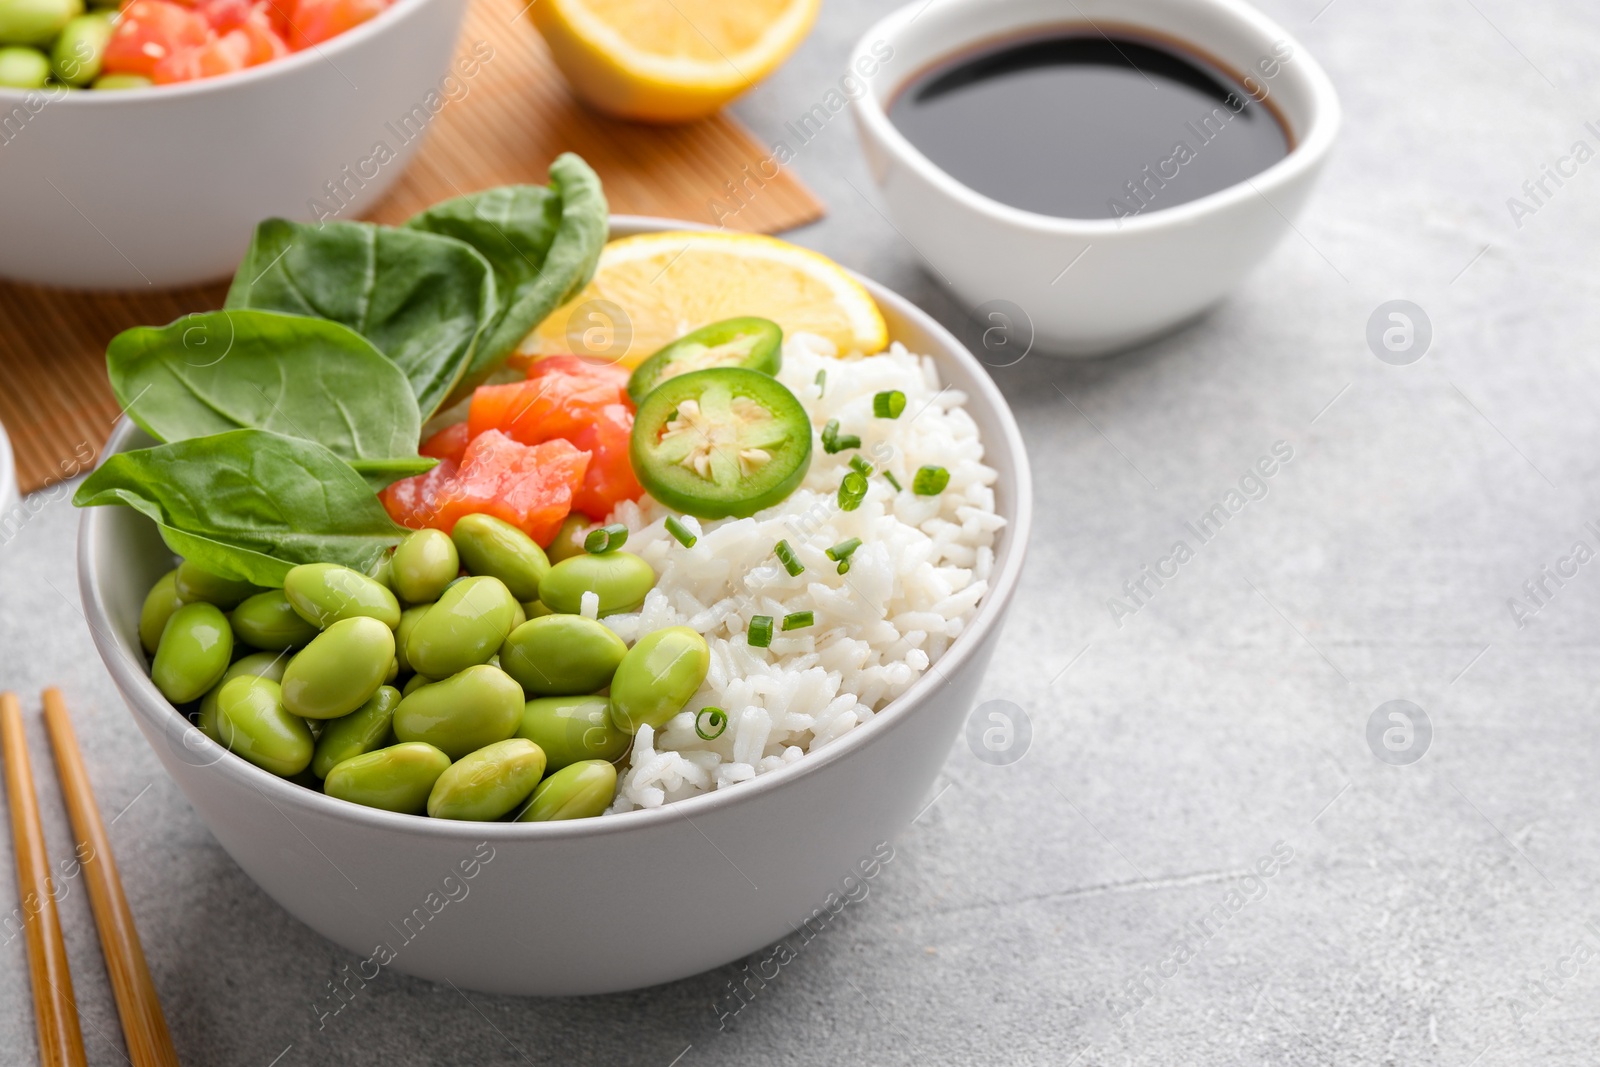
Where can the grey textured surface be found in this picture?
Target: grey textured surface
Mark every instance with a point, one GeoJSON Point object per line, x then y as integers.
{"type": "Point", "coordinates": [1431, 914]}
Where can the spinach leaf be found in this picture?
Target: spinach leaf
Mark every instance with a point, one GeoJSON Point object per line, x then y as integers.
{"type": "Point", "coordinates": [300, 377]}
{"type": "Point", "coordinates": [543, 244]}
{"type": "Point", "coordinates": [422, 299]}
{"type": "Point", "coordinates": [248, 503]}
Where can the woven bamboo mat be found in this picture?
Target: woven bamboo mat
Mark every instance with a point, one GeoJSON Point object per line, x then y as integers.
{"type": "Point", "coordinates": [54, 398]}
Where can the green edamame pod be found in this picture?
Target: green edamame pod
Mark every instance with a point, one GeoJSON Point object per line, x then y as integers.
{"type": "Point", "coordinates": [325, 593]}
{"type": "Point", "coordinates": [463, 713]}
{"type": "Point", "coordinates": [267, 620]}
{"type": "Point", "coordinates": [423, 564]}
{"type": "Point", "coordinates": [195, 583]}
{"type": "Point", "coordinates": [194, 650]}
{"type": "Point", "coordinates": [494, 547]}
{"type": "Point", "coordinates": [568, 540]}
{"type": "Point", "coordinates": [467, 626]}
{"type": "Point", "coordinates": [397, 778]}
{"type": "Point", "coordinates": [268, 665]}
{"type": "Point", "coordinates": [253, 723]}
{"type": "Point", "coordinates": [340, 670]}
{"type": "Point", "coordinates": [559, 655]}
{"type": "Point", "coordinates": [580, 791]}
{"type": "Point", "coordinates": [620, 579]}
{"type": "Point", "coordinates": [23, 68]}
{"type": "Point", "coordinates": [36, 22]}
{"type": "Point", "coordinates": [363, 730]}
{"type": "Point", "coordinates": [79, 51]}
{"type": "Point", "coordinates": [159, 603]}
{"type": "Point", "coordinates": [657, 677]}
{"type": "Point", "coordinates": [573, 729]}
{"type": "Point", "coordinates": [488, 783]}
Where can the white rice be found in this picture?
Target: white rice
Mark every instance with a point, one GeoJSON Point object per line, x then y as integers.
{"type": "Point", "coordinates": [923, 566]}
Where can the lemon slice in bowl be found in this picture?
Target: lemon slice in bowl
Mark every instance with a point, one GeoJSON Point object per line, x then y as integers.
{"type": "Point", "coordinates": [669, 60]}
{"type": "Point", "coordinates": [651, 289]}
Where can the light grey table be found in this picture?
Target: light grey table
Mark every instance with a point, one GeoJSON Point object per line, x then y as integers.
{"type": "Point", "coordinates": [1067, 905]}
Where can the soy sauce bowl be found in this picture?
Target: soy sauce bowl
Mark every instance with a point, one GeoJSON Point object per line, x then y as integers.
{"type": "Point", "coordinates": [1087, 287]}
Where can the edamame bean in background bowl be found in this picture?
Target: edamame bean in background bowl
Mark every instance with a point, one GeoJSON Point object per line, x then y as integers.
{"type": "Point", "coordinates": [447, 562]}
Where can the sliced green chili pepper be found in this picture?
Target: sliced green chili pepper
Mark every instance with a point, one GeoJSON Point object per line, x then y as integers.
{"type": "Point", "coordinates": [756, 344]}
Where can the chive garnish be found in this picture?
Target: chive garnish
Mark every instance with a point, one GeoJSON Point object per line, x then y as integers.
{"type": "Point", "coordinates": [841, 553]}
{"type": "Point", "coordinates": [852, 491]}
{"type": "Point", "coordinates": [790, 561]}
{"type": "Point", "coordinates": [822, 383]}
{"type": "Point", "coordinates": [681, 532]}
{"type": "Point", "coordinates": [833, 441]}
{"type": "Point", "coordinates": [759, 635]}
{"type": "Point", "coordinates": [930, 481]}
{"type": "Point", "coordinates": [606, 539]}
{"type": "Point", "coordinates": [892, 480]}
{"type": "Point", "coordinates": [715, 718]}
{"type": "Point", "coordinates": [798, 620]}
{"type": "Point", "coordinates": [857, 463]}
{"type": "Point", "coordinates": [889, 405]}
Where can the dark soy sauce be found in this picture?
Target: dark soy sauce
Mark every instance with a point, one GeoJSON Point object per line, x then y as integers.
{"type": "Point", "coordinates": [1080, 125]}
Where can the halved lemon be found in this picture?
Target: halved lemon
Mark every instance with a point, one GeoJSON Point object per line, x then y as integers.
{"type": "Point", "coordinates": [669, 60]}
{"type": "Point", "coordinates": [652, 289]}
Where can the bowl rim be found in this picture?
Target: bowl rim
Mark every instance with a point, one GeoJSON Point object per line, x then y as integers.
{"type": "Point", "coordinates": [1302, 159]}
{"type": "Point", "coordinates": [238, 79]}
{"type": "Point", "coordinates": [145, 701]}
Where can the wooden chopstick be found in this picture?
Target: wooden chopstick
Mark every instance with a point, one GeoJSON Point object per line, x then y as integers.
{"type": "Point", "coordinates": [143, 1024]}
{"type": "Point", "coordinates": [54, 1009]}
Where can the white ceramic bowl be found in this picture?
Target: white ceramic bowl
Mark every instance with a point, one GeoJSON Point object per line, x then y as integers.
{"type": "Point", "coordinates": [164, 186]}
{"type": "Point", "coordinates": [1140, 276]}
{"type": "Point", "coordinates": [602, 904]}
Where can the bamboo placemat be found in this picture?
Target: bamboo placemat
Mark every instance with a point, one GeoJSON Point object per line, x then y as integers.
{"type": "Point", "coordinates": [517, 117]}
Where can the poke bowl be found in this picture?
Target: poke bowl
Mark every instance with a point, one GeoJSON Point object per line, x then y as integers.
{"type": "Point", "coordinates": [649, 892]}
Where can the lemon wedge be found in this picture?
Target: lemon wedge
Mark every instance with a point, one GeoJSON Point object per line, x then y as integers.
{"type": "Point", "coordinates": [669, 60]}
{"type": "Point", "coordinates": [652, 289]}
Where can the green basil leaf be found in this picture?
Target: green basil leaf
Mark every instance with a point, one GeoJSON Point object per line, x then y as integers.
{"type": "Point", "coordinates": [300, 377]}
{"type": "Point", "coordinates": [422, 299]}
{"type": "Point", "coordinates": [543, 244]}
{"type": "Point", "coordinates": [249, 504]}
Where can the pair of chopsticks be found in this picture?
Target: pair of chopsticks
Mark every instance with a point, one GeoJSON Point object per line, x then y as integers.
{"type": "Point", "coordinates": [54, 1007]}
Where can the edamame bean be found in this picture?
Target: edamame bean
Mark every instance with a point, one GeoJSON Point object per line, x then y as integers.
{"type": "Point", "coordinates": [408, 619]}
{"type": "Point", "coordinates": [518, 616]}
{"type": "Point", "coordinates": [558, 655]}
{"type": "Point", "coordinates": [267, 620]}
{"type": "Point", "coordinates": [159, 603]}
{"type": "Point", "coordinates": [81, 48]}
{"type": "Point", "coordinates": [23, 68]}
{"type": "Point", "coordinates": [488, 783]}
{"type": "Point", "coordinates": [363, 730]}
{"type": "Point", "coordinates": [340, 670]}
{"type": "Point", "coordinates": [121, 81]}
{"type": "Point", "coordinates": [573, 729]}
{"type": "Point", "coordinates": [415, 682]}
{"type": "Point", "coordinates": [36, 22]}
{"type": "Point", "coordinates": [580, 791]}
{"type": "Point", "coordinates": [494, 547]}
{"type": "Point", "coordinates": [194, 582]}
{"type": "Point", "coordinates": [534, 609]}
{"type": "Point", "coordinates": [620, 579]}
{"type": "Point", "coordinates": [569, 539]}
{"type": "Point", "coordinates": [194, 650]}
{"type": "Point", "coordinates": [423, 565]}
{"type": "Point", "coordinates": [326, 593]}
{"type": "Point", "coordinates": [252, 722]}
{"type": "Point", "coordinates": [397, 778]}
{"type": "Point", "coordinates": [467, 626]}
{"type": "Point", "coordinates": [463, 713]}
{"type": "Point", "coordinates": [257, 665]}
{"type": "Point", "coordinates": [657, 677]}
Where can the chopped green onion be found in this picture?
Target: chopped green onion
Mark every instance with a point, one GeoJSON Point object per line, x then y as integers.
{"type": "Point", "coordinates": [841, 553]}
{"type": "Point", "coordinates": [606, 539]}
{"type": "Point", "coordinates": [930, 481]}
{"type": "Point", "coordinates": [790, 561]}
{"type": "Point", "coordinates": [857, 463]}
{"type": "Point", "coordinates": [833, 442]}
{"type": "Point", "coordinates": [892, 480]}
{"type": "Point", "coordinates": [798, 620]}
{"type": "Point", "coordinates": [822, 383]}
{"type": "Point", "coordinates": [680, 532]}
{"type": "Point", "coordinates": [759, 635]}
{"type": "Point", "coordinates": [889, 405]}
{"type": "Point", "coordinates": [852, 491]}
{"type": "Point", "coordinates": [715, 718]}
